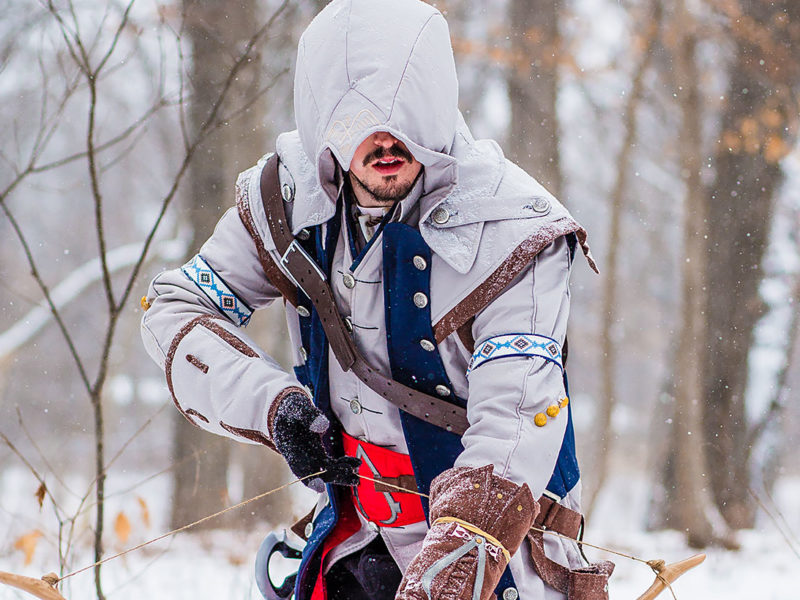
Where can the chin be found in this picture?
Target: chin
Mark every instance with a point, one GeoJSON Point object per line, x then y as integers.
{"type": "Point", "coordinates": [392, 192]}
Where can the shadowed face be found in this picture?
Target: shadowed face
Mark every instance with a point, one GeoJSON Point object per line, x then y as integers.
{"type": "Point", "coordinates": [382, 170]}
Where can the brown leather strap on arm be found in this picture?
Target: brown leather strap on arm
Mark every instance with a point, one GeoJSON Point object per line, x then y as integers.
{"type": "Point", "coordinates": [307, 275]}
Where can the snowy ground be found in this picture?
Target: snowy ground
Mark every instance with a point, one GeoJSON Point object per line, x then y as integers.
{"type": "Point", "coordinates": [218, 564]}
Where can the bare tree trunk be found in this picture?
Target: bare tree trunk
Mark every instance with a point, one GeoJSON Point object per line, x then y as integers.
{"type": "Point", "coordinates": [604, 436]}
{"type": "Point", "coordinates": [691, 507]}
{"type": "Point", "coordinates": [216, 31]}
{"type": "Point", "coordinates": [533, 88]}
{"type": "Point", "coordinates": [758, 129]}
{"type": "Point", "coordinates": [245, 140]}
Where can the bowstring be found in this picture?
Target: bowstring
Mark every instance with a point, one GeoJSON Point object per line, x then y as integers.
{"type": "Point", "coordinates": [383, 483]}
{"type": "Point", "coordinates": [549, 532]}
{"type": "Point", "coordinates": [189, 526]}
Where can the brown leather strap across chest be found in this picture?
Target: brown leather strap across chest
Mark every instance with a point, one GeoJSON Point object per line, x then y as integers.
{"type": "Point", "coordinates": [308, 276]}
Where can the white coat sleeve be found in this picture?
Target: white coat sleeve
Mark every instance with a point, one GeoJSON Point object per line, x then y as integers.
{"type": "Point", "coordinates": [507, 394]}
{"type": "Point", "coordinates": [219, 379]}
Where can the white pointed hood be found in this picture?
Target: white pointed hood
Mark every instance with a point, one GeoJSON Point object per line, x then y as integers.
{"type": "Point", "coordinates": [387, 65]}
{"type": "Point", "coordinates": [370, 65]}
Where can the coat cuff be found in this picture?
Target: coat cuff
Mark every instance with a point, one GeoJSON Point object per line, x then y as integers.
{"type": "Point", "coordinates": [273, 408]}
{"type": "Point", "coordinates": [216, 378]}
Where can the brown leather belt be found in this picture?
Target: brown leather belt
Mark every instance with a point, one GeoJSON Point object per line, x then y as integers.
{"type": "Point", "coordinates": [557, 517]}
{"type": "Point", "coordinates": [308, 276]}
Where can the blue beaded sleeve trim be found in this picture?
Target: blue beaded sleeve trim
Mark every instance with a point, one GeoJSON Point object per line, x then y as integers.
{"type": "Point", "coordinates": [516, 344]}
{"type": "Point", "coordinates": [199, 271]}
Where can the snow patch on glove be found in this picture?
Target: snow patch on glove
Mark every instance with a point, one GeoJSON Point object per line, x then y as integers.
{"type": "Point", "coordinates": [297, 430]}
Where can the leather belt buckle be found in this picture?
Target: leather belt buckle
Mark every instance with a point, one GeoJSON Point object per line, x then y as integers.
{"type": "Point", "coordinates": [285, 258]}
{"type": "Point", "coordinates": [551, 512]}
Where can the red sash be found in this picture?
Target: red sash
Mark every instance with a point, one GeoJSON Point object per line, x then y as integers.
{"type": "Point", "coordinates": [385, 509]}
{"type": "Point", "coordinates": [346, 526]}
{"type": "Point", "coordinates": [390, 508]}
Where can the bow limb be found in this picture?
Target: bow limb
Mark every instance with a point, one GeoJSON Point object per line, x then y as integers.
{"type": "Point", "coordinates": [667, 574]}
{"type": "Point", "coordinates": [37, 587]}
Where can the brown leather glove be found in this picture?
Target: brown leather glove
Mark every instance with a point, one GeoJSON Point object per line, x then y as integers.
{"type": "Point", "coordinates": [478, 521]}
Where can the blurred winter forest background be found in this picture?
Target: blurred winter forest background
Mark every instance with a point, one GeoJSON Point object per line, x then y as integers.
{"type": "Point", "coordinates": [669, 128]}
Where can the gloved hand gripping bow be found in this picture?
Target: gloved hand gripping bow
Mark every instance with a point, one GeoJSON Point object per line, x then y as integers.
{"type": "Point", "coordinates": [297, 430]}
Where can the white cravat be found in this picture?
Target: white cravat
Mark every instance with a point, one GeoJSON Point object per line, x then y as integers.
{"type": "Point", "coordinates": [369, 218]}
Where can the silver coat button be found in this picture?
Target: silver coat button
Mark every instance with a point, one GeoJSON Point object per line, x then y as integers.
{"type": "Point", "coordinates": [510, 594]}
{"type": "Point", "coordinates": [348, 324]}
{"type": "Point", "coordinates": [303, 353]}
{"type": "Point", "coordinates": [287, 192]}
{"type": "Point", "coordinates": [303, 311]}
{"type": "Point", "coordinates": [420, 263]}
{"type": "Point", "coordinates": [541, 205]}
{"type": "Point", "coordinates": [427, 345]}
{"type": "Point", "coordinates": [420, 300]}
{"type": "Point", "coordinates": [443, 390]}
{"type": "Point", "coordinates": [440, 215]}
{"type": "Point", "coordinates": [349, 281]}
{"type": "Point", "coordinates": [309, 530]}
{"type": "Point", "coordinates": [355, 406]}
{"type": "Point", "coordinates": [303, 234]}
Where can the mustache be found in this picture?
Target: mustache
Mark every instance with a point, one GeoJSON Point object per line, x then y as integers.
{"type": "Point", "coordinates": [395, 151]}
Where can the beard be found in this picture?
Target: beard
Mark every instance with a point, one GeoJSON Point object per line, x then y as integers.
{"type": "Point", "coordinates": [389, 190]}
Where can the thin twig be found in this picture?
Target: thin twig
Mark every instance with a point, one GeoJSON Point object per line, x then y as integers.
{"type": "Point", "coordinates": [133, 127]}
{"type": "Point", "coordinates": [175, 464]}
{"type": "Point", "coordinates": [41, 454]}
{"type": "Point", "coordinates": [122, 24]}
{"type": "Point", "coordinates": [67, 35]}
{"type": "Point", "coordinates": [129, 441]}
{"type": "Point", "coordinates": [32, 469]}
{"type": "Point", "coordinates": [782, 530]}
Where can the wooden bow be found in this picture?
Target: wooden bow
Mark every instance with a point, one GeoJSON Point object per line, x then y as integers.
{"type": "Point", "coordinates": [44, 588]}
{"type": "Point", "coordinates": [667, 574]}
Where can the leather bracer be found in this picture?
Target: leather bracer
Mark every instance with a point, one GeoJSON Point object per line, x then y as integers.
{"type": "Point", "coordinates": [478, 521]}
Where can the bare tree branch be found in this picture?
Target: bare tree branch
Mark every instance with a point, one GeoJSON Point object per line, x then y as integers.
{"type": "Point", "coordinates": [71, 287]}
{"type": "Point", "coordinates": [122, 24]}
{"type": "Point", "coordinates": [81, 54]}
{"type": "Point", "coordinates": [46, 292]}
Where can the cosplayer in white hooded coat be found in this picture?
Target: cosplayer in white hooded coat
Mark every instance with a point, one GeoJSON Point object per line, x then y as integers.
{"type": "Point", "coordinates": [365, 66]}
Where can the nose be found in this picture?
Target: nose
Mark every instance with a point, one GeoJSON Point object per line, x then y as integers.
{"type": "Point", "coordinates": [384, 139]}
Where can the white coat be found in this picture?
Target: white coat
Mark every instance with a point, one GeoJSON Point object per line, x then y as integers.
{"type": "Point", "coordinates": [500, 265]}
